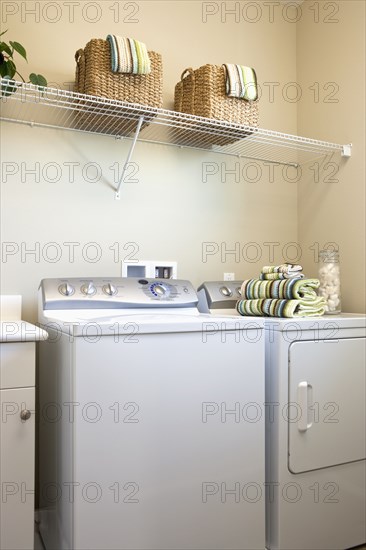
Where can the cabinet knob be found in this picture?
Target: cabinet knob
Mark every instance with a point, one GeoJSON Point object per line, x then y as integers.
{"type": "Point", "coordinates": [25, 414]}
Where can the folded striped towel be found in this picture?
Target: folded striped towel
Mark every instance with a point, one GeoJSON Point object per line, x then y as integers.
{"type": "Point", "coordinates": [241, 82]}
{"type": "Point", "coordinates": [128, 55]}
{"type": "Point", "coordinates": [288, 289]}
{"type": "Point", "coordinates": [286, 269]}
{"type": "Point", "coordinates": [282, 308]}
{"type": "Point", "coordinates": [278, 276]}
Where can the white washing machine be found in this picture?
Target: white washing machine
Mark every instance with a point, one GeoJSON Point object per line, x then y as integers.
{"type": "Point", "coordinates": [315, 425]}
{"type": "Point", "coordinates": [151, 426]}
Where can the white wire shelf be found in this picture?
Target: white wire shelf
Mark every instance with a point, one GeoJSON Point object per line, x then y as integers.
{"type": "Point", "coordinates": [62, 109]}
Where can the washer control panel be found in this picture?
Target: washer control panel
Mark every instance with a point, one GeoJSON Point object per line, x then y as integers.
{"type": "Point", "coordinates": [215, 295]}
{"type": "Point", "coordinates": [116, 292]}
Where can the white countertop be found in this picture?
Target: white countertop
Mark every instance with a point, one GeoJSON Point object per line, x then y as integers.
{"type": "Point", "coordinates": [12, 328]}
{"type": "Point", "coordinates": [21, 331]}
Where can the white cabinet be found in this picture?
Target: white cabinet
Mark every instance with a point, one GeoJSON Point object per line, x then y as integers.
{"type": "Point", "coordinates": [17, 427]}
{"type": "Point", "coordinates": [17, 399]}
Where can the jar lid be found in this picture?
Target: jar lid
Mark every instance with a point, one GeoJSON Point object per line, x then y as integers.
{"type": "Point", "coordinates": [329, 256]}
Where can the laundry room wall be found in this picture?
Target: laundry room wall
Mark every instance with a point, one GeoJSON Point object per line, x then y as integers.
{"type": "Point", "coordinates": [58, 213]}
{"type": "Point", "coordinates": [58, 223]}
{"type": "Point", "coordinates": [331, 201]}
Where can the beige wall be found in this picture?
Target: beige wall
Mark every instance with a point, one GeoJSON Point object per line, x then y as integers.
{"type": "Point", "coordinates": [170, 212]}
{"type": "Point", "coordinates": [333, 54]}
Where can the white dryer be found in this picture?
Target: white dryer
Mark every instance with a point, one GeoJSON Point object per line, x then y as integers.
{"type": "Point", "coordinates": [316, 433]}
{"type": "Point", "coordinates": [315, 425]}
{"type": "Point", "coordinates": [219, 297]}
{"type": "Point", "coordinates": [151, 425]}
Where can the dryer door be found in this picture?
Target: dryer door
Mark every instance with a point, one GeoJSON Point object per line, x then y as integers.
{"type": "Point", "coordinates": [326, 411]}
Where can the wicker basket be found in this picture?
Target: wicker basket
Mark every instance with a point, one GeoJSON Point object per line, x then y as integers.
{"type": "Point", "coordinates": [95, 77]}
{"type": "Point", "coordinates": [202, 92]}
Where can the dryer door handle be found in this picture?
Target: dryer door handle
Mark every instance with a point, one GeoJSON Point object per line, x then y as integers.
{"type": "Point", "coordinates": [303, 391]}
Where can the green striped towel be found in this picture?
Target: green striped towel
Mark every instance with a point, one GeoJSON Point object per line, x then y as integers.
{"type": "Point", "coordinates": [278, 276]}
{"type": "Point", "coordinates": [282, 271]}
{"type": "Point", "coordinates": [128, 55]}
{"type": "Point", "coordinates": [241, 82]}
{"type": "Point", "coordinates": [287, 289]}
{"type": "Point", "coordinates": [282, 308]}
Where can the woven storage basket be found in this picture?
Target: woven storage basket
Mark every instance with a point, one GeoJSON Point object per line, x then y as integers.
{"type": "Point", "coordinates": [95, 77]}
{"type": "Point", "coordinates": [202, 92]}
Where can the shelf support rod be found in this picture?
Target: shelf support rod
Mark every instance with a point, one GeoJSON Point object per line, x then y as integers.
{"type": "Point", "coordinates": [138, 128]}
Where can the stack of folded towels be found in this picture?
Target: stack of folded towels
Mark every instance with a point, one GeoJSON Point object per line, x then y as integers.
{"type": "Point", "coordinates": [281, 291]}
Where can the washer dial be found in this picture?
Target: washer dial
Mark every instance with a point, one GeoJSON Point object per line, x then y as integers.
{"type": "Point", "coordinates": [159, 290]}
{"type": "Point", "coordinates": [88, 289]}
{"type": "Point", "coordinates": [66, 289]}
{"type": "Point", "coordinates": [110, 289]}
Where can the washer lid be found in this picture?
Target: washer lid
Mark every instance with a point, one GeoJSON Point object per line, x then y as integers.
{"type": "Point", "coordinates": [111, 322]}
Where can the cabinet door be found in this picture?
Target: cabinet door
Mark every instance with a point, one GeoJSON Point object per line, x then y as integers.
{"type": "Point", "coordinates": [17, 469]}
{"type": "Point", "coordinates": [327, 387]}
{"type": "Point", "coordinates": [17, 365]}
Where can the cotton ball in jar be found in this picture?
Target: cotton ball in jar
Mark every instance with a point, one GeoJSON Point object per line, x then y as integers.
{"type": "Point", "coordinates": [329, 278]}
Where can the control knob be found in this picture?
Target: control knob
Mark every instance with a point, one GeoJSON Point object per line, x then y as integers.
{"type": "Point", "coordinates": [66, 289]}
{"type": "Point", "coordinates": [225, 291]}
{"type": "Point", "coordinates": [88, 289]}
{"type": "Point", "coordinates": [159, 290]}
{"type": "Point", "coordinates": [109, 289]}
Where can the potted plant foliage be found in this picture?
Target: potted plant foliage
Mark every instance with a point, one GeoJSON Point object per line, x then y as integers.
{"type": "Point", "coordinates": [8, 67]}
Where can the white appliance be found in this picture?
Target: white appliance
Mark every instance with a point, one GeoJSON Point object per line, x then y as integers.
{"type": "Point", "coordinates": [316, 432]}
{"type": "Point", "coordinates": [151, 421]}
{"type": "Point", "coordinates": [219, 297]}
{"type": "Point", "coordinates": [315, 425]}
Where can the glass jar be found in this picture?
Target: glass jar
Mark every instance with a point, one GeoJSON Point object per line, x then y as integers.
{"type": "Point", "coordinates": [330, 280]}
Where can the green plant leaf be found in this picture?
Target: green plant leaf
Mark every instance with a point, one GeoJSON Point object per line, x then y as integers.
{"type": "Point", "coordinates": [41, 80]}
{"type": "Point", "coordinates": [1, 33]}
{"type": "Point", "coordinates": [5, 48]}
{"type": "Point", "coordinates": [38, 80]}
{"type": "Point", "coordinates": [11, 68]}
{"type": "Point", "coordinates": [19, 48]}
{"type": "Point", "coordinates": [4, 70]}
{"type": "Point", "coordinates": [33, 78]}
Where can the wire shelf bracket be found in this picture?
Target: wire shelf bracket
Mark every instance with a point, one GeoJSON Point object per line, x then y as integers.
{"type": "Point", "coordinates": [62, 109]}
{"type": "Point", "coordinates": [128, 159]}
